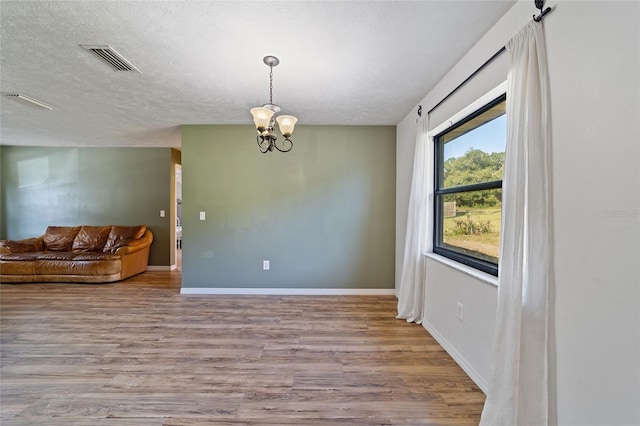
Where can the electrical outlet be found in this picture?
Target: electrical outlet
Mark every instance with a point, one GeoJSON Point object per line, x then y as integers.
{"type": "Point", "coordinates": [265, 265]}
{"type": "Point", "coordinates": [162, 213]}
{"type": "Point", "coordinates": [460, 311]}
{"type": "Point", "coordinates": [202, 215]}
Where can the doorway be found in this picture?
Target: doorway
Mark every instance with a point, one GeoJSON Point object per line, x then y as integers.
{"type": "Point", "coordinates": [178, 224]}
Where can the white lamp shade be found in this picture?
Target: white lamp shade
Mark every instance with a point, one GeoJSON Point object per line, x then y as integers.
{"type": "Point", "coordinates": [261, 117]}
{"type": "Point", "coordinates": [286, 124]}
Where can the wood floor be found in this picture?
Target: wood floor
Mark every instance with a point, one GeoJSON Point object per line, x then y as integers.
{"type": "Point", "coordinates": [139, 353]}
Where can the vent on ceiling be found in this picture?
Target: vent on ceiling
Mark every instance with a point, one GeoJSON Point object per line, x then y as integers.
{"type": "Point", "coordinates": [110, 57]}
{"type": "Point", "coordinates": [28, 100]}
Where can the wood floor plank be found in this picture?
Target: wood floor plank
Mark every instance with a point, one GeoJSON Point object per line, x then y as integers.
{"type": "Point", "coordinates": [139, 353]}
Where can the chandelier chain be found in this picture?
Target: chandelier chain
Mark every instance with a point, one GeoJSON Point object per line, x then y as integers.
{"type": "Point", "coordinates": [271, 84]}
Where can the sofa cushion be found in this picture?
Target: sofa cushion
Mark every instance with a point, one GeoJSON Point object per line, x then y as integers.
{"type": "Point", "coordinates": [18, 264]}
{"type": "Point", "coordinates": [21, 257]}
{"type": "Point", "coordinates": [60, 238]}
{"type": "Point", "coordinates": [92, 267]}
{"type": "Point", "coordinates": [57, 255]}
{"type": "Point", "coordinates": [24, 246]}
{"type": "Point", "coordinates": [95, 257]}
{"type": "Point", "coordinates": [91, 238]}
{"type": "Point", "coordinates": [122, 235]}
{"type": "Point", "coordinates": [71, 256]}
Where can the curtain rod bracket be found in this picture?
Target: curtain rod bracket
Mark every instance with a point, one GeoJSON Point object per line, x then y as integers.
{"type": "Point", "coordinates": [540, 5]}
{"type": "Point", "coordinates": [419, 110]}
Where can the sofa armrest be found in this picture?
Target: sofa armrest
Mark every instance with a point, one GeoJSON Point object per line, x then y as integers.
{"type": "Point", "coordinates": [26, 245]}
{"type": "Point", "coordinates": [136, 245]}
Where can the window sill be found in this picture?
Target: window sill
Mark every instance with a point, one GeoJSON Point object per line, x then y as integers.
{"type": "Point", "coordinates": [482, 276]}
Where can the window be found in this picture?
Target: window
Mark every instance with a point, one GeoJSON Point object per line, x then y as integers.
{"type": "Point", "coordinates": [469, 164]}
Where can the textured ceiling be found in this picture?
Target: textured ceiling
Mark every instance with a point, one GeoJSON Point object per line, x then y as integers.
{"type": "Point", "coordinates": [342, 62]}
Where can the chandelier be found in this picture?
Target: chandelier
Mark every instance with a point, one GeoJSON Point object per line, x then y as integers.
{"type": "Point", "coordinates": [264, 119]}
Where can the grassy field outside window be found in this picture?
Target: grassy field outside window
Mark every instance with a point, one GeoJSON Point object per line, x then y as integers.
{"type": "Point", "coordinates": [478, 242]}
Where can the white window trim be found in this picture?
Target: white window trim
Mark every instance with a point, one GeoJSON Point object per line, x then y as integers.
{"type": "Point", "coordinates": [473, 272]}
{"type": "Point", "coordinates": [497, 91]}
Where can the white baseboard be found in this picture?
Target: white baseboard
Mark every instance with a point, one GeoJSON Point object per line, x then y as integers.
{"type": "Point", "coordinates": [458, 358]}
{"type": "Point", "coordinates": [291, 291]}
{"type": "Point", "coordinates": [159, 268]}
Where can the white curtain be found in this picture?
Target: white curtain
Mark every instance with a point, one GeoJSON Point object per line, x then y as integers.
{"type": "Point", "coordinates": [411, 291]}
{"type": "Point", "coordinates": [518, 389]}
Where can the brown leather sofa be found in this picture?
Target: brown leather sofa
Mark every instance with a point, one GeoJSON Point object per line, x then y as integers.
{"type": "Point", "coordinates": [78, 254]}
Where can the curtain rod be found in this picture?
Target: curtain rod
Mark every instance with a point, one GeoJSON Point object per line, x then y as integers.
{"type": "Point", "coordinates": [466, 80]}
{"type": "Point", "coordinates": [540, 5]}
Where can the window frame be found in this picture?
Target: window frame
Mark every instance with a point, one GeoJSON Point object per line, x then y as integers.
{"type": "Point", "coordinates": [440, 192]}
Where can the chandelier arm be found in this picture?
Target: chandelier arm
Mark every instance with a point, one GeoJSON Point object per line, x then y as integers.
{"type": "Point", "coordinates": [284, 149]}
{"type": "Point", "coordinates": [260, 140]}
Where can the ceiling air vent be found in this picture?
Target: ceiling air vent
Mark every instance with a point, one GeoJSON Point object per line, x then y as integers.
{"type": "Point", "coordinates": [28, 100]}
{"type": "Point", "coordinates": [110, 57]}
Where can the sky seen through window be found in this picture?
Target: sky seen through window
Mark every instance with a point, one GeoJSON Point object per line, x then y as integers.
{"type": "Point", "coordinates": [490, 137]}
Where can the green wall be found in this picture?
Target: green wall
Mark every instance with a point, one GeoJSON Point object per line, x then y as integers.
{"type": "Point", "coordinates": [86, 186]}
{"type": "Point", "coordinates": [322, 214]}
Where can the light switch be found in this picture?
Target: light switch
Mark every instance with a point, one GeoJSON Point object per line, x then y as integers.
{"type": "Point", "coordinates": [161, 213]}
{"type": "Point", "coordinates": [202, 215]}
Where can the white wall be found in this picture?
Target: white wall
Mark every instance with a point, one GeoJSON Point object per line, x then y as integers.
{"type": "Point", "coordinates": [594, 68]}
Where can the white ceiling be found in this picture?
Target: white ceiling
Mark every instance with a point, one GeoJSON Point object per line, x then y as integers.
{"type": "Point", "coordinates": [341, 62]}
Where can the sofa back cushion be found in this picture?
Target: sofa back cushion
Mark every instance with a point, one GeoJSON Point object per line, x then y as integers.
{"type": "Point", "coordinates": [121, 236]}
{"type": "Point", "coordinates": [91, 238]}
{"type": "Point", "coordinates": [60, 238]}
